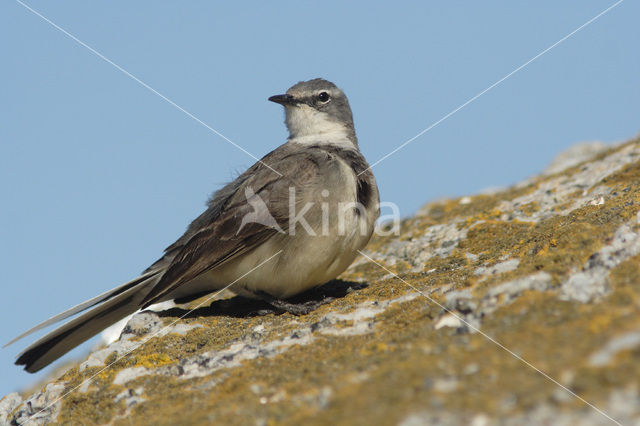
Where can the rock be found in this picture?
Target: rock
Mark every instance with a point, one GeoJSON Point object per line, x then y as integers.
{"type": "Point", "coordinates": [575, 155]}
{"type": "Point", "coordinates": [625, 342]}
{"type": "Point", "coordinates": [513, 306]}
{"type": "Point", "coordinates": [7, 405]}
{"type": "Point", "coordinates": [591, 281]}
{"type": "Point", "coordinates": [111, 334]}
{"type": "Point", "coordinates": [40, 408]}
{"type": "Point", "coordinates": [129, 374]}
{"type": "Point", "coordinates": [498, 268]}
{"type": "Point", "coordinates": [448, 320]}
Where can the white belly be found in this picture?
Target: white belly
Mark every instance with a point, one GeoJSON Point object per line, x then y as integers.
{"type": "Point", "coordinates": [284, 265]}
{"type": "Point", "coordinates": [305, 262]}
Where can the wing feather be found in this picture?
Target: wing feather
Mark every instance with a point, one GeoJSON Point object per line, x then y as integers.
{"type": "Point", "coordinates": [226, 236]}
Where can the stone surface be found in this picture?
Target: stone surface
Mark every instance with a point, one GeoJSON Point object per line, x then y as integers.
{"type": "Point", "coordinates": [577, 154]}
{"type": "Point", "coordinates": [515, 306]}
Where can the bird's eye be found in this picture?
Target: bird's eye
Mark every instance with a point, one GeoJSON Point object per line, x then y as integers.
{"type": "Point", "coordinates": [323, 97]}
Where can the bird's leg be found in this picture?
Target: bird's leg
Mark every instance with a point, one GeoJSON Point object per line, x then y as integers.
{"type": "Point", "coordinates": [302, 308]}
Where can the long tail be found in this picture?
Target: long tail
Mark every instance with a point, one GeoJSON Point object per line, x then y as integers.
{"type": "Point", "coordinates": [110, 307]}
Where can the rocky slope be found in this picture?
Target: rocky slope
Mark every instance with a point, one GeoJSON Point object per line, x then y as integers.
{"type": "Point", "coordinates": [520, 306]}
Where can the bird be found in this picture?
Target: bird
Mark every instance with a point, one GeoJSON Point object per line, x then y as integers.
{"type": "Point", "coordinates": [298, 217]}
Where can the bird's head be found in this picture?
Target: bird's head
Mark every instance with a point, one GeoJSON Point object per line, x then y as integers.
{"type": "Point", "coordinates": [317, 111]}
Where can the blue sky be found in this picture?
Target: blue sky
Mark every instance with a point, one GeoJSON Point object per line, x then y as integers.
{"type": "Point", "coordinates": [99, 174]}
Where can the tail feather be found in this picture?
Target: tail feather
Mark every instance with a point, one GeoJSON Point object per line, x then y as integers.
{"type": "Point", "coordinates": [84, 305]}
{"type": "Point", "coordinates": [116, 305]}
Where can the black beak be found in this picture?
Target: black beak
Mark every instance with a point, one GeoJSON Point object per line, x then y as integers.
{"type": "Point", "coordinates": [283, 99]}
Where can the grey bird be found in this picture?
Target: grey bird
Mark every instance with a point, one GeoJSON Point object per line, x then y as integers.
{"type": "Point", "coordinates": [322, 202]}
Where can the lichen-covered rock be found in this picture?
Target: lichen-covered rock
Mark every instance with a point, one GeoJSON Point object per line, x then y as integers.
{"type": "Point", "coordinates": [518, 306]}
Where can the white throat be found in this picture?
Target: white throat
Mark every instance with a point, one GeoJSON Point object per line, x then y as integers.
{"type": "Point", "coordinates": [309, 126]}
